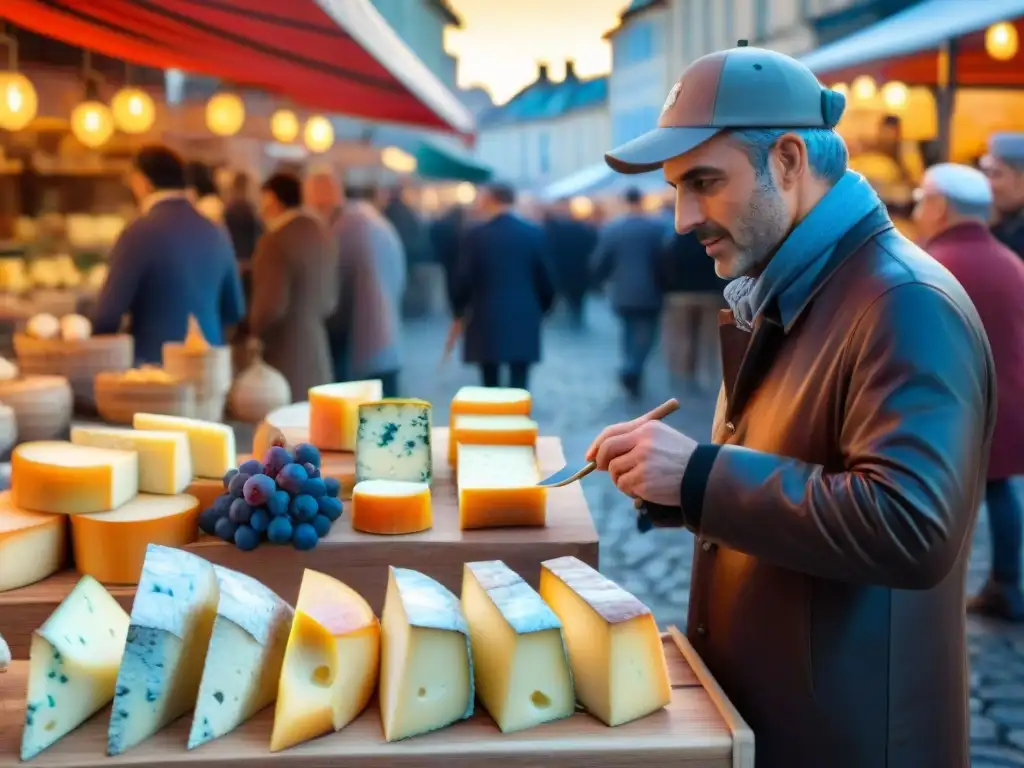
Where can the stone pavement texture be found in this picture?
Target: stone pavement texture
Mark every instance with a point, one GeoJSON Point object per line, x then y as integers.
{"type": "Point", "coordinates": [576, 394]}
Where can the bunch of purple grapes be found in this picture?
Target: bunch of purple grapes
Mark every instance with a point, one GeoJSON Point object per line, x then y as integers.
{"type": "Point", "coordinates": [283, 500]}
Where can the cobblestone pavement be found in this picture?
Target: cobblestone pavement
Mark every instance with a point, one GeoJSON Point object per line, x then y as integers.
{"type": "Point", "coordinates": [576, 394]}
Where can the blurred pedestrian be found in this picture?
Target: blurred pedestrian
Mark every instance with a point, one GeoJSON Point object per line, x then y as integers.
{"type": "Point", "coordinates": [323, 197]}
{"type": "Point", "coordinates": [204, 192]}
{"type": "Point", "coordinates": [1004, 166]}
{"type": "Point", "coordinates": [447, 234]}
{"type": "Point", "coordinates": [570, 243]}
{"type": "Point", "coordinates": [419, 256]}
{"type": "Point", "coordinates": [241, 218]}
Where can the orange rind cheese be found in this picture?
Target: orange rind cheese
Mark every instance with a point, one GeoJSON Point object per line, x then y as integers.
{"type": "Point", "coordinates": [334, 412]}
{"type": "Point", "coordinates": [475, 429]}
{"type": "Point", "coordinates": [32, 544]}
{"type": "Point", "coordinates": [491, 401]}
{"type": "Point", "coordinates": [391, 507]}
{"type": "Point", "coordinates": [498, 487]}
{"type": "Point", "coordinates": [67, 479]}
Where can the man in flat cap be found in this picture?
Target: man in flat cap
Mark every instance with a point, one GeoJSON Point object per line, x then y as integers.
{"type": "Point", "coordinates": [1004, 166]}
{"type": "Point", "coordinates": [834, 506]}
{"type": "Point", "coordinates": [954, 205]}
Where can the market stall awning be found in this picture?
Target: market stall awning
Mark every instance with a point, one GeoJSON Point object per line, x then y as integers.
{"type": "Point", "coordinates": [599, 179]}
{"type": "Point", "coordinates": [330, 55]}
{"type": "Point", "coordinates": [905, 46]}
{"type": "Point", "coordinates": [438, 158]}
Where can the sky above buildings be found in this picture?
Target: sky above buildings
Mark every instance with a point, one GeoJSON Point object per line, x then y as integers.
{"type": "Point", "coordinates": [502, 40]}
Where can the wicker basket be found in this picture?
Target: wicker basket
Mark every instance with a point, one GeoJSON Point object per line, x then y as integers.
{"type": "Point", "coordinates": [55, 301]}
{"type": "Point", "coordinates": [42, 406]}
{"type": "Point", "coordinates": [209, 372]}
{"type": "Point", "coordinates": [118, 400]}
{"type": "Point", "coordinates": [77, 361]}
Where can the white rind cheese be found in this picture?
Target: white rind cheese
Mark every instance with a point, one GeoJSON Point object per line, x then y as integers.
{"type": "Point", "coordinates": [393, 442]}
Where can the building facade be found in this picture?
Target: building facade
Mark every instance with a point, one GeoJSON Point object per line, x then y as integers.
{"type": "Point", "coordinates": [421, 25]}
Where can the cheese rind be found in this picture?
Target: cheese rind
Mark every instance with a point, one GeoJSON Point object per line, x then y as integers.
{"type": "Point", "coordinates": [111, 546]}
{"type": "Point", "coordinates": [519, 659]}
{"type": "Point", "coordinates": [615, 651]}
{"type": "Point", "coordinates": [33, 545]}
{"type": "Point", "coordinates": [211, 445]}
{"type": "Point", "coordinates": [490, 430]}
{"type": "Point", "coordinates": [426, 676]}
{"type": "Point", "coordinates": [334, 412]}
{"type": "Point", "coordinates": [66, 479]}
{"type": "Point", "coordinates": [165, 464]}
{"type": "Point", "coordinates": [243, 662]}
{"type": "Point", "coordinates": [498, 487]}
{"type": "Point", "coordinates": [393, 441]}
{"type": "Point", "coordinates": [388, 507]}
{"type": "Point", "coordinates": [331, 662]}
{"type": "Point", "coordinates": [171, 622]}
{"type": "Point", "coordinates": [497, 401]}
{"type": "Point", "coordinates": [73, 663]}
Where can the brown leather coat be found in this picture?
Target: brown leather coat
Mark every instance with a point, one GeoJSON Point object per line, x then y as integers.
{"type": "Point", "coordinates": [834, 514]}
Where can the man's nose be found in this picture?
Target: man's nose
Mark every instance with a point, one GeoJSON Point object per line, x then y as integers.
{"type": "Point", "coordinates": [688, 213]}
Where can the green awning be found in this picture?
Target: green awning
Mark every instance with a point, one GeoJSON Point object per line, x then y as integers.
{"type": "Point", "coordinates": [434, 162]}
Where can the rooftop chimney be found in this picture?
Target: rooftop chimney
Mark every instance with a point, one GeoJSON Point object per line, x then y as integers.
{"type": "Point", "coordinates": [542, 73]}
{"type": "Point", "coordinates": [570, 69]}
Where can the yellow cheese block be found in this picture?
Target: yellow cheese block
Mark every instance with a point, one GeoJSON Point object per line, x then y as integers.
{"type": "Point", "coordinates": [32, 545]}
{"type": "Point", "coordinates": [490, 430]}
{"type": "Point", "coordinates": [334, 412]}
{"type": "Point", "coordinates": [330, 664]}
{"type": "Point", "coordinates": [615, 651]}
{"type": "Point", "coordinates": [165, 464]}
{"type": "Point", "coordinates": [111, 546]}
{"type": "Point", "coordinates": [391, 507]}
{"type": "Point", "coordinates": [491, 401]}
{"type": "Point", "coordinates": [68, 479]}
{"type": "Point", "coordinates": [498, 487]}
{"type": "Point", "coordinates": [211, 445]}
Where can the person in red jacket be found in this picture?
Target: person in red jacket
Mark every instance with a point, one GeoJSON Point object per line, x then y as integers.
{"type": "Point", "coordinates": [954, 205]}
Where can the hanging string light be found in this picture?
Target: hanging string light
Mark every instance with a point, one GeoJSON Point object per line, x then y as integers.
{"type": "Point", "coordinates": [1002, 41]}
{"type": "Point", "coordinates": [319, 134]}
{"type": "Point", "coordinates": [92, 122]}
{"type": "Point", "coordinates": [895, 95]}
{"type": "Point", "coordinates": [19, 101]}
{"type": "Point", "coordinates": [397, 160]}
{"type": "Point", "coordinates": [284, 126]}
{"type": "Point", "coordinates": [225, 114]}
{"type": "Point", "coordinates": [864, 88]}
{"type": "Point", "coordinates": [134, 110]}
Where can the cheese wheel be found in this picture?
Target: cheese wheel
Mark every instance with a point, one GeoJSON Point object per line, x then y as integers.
{"type": "Point", "coordinates": [32, 544]}
{"type": "Point", "coordinates": [492, 401]}
{"type": "Point", "coordinates": [111, 546]}
{"type": "Point", "coordinates": [498, 487]}
{"type": "Point", "coordinates": [67, 479]}
{"type": "Point", "coordinates": [490, 430]}
{"type": "Point", "coordinates": [334, 412]}
{"type": "Point", "coordinates": [165, 464]}
{"type": "Point", "coordinates": [391, 507]}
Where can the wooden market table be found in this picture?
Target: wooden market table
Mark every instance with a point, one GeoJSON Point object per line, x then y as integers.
{"type": "Point", "coordinates": [698, 729]}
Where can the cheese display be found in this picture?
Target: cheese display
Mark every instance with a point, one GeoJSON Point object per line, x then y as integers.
{"type": "Point", "coordinates": [491, 401]}
{"type": "Point", "coordinates": [43, 326]}
{"type": "Point", "coordinates": [75, 328]}
{"type": "Point", "coordinates": [393, 441]}
{"type": "Point", "coordinates": [111, 546]}
{"type": "Point", "coordinates": [519, 659]}
{"type": "Point", "coordinates": [391, 507]}
{"type": "Point", "coordinates": [165, 463]}
{"type": "Point", "coordinates": [334, 412]}
{"type": "Point", "coordinates": [618, 663]}
{"type": "Point", "coordinates": [68, 479]}
{"type": "Point", "coordinates": [73, 663]}
{"type": "Point", "coordinates": [330, 665]}
{"type": "Point", "coordinates": [490, 430]}
{"type": "Point", "coordinates": [32, 544]}
{"type": "Point", "coordinates": [498, 487]}
{"type": "Point", "coordinates": [243, 662]}
{"type": "Point", "coordinates": [172, 618]}
{"type": "Point", "coordinates": [426, 673]}
{"type": "Point", "coordinates": [211, 445]}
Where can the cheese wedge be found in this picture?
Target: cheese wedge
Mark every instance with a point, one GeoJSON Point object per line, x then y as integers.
{"type": "Point", "coordinates": [73, 662]}
{"type": "Point", "coordinates": [171, 622]}
{"type": "Point", "coordinates": [111, 546]}
{"type": "Point", "coordinates": [243, 663]}
{"type": "Point", "coordinates": [334, 412]}
{"type": "Point", "coordinates": [32, 544]}
{"type": "Point", "coordinates": [165, 464]}
{"type": "Point", "coordinates": [498, 487]}
{"type": "Point", "coordinates": [331, 664]}
{"type": "Point", "coordinates": [426, 673]}
{"type": "Point", "coordinates": [491, 401]}
{"type": "Point", "coordinates": [490, 430]}
{"type": "Point", "coordinates": [393, 441]}
{"type": "Point", "coordinates": [391, 507]}
{"type": "Point", "coordinates": [67, 479]}
{"type": "Point", "coordinates": [615, 650]}
{"type": "Point", "coordinates": [211, 445]}
{"type": "Point", "coordinates": [519, 660]}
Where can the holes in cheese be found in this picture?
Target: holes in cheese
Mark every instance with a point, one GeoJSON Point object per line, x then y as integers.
{"type": "Point", "coordinates": [32, 544]}
{"type": "Point", "coordinates": [111, 546]}
{"type": "Point", "coordinates": [498, 487]}
{"type": "Point", "coordinates": [615, 651]}
{"type": "Point", "coordinates": [68, 479]}
{"type": "Point", "coordinates": [426, 673]}
{"type": "Point", "coordinates": [393, 441]}
{"type": "Point", "coordinates": [519, 659]}
{"type": "Point", "coordinates": [73, 663]}
{"type": "Point", "coordinates": [490, 430]}
{"type": "Point", "coordinates": [334, 412]}
{"type": "Point", "coordinates": [211, 445]}
{"type": "Point", "coordinates": [165, 465]}
{"type": "Point", "coordinates": [331, 663]}
{"type": "Point", "coordinates": [391, 507]}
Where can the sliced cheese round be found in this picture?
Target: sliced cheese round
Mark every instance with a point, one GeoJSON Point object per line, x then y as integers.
{"type": "Point", "coordinates": [111, 546]}
{"type": "Point", "coordinates": [67, 479]}
{"type": "Point", "coordinates": [391, 507]}
{"type": "Point", "coordinates": [32, 544]}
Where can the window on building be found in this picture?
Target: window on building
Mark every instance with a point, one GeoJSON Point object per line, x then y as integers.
{"type": "Point", "coordinates": [762, 26]}
{"type": "Point", "coordinates": [544, 153]}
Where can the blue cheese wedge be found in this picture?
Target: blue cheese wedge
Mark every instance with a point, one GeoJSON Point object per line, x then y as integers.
{"type": "Point", "coordinates": [393, 441]}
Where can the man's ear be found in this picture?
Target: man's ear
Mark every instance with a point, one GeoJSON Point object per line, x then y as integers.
{"type": "Point", "coordinates": [791, 156]}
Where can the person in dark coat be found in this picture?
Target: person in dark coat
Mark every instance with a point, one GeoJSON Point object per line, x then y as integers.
{"type": "Point", "coordinates": [502, 290]}
{"type": "Point", "coordinates": [952, 213]}
{"type": "Point", "coordinates": [570, 243]}
{"type": "Point", "coordinates": [447, 233]}
{"type": "Point", "coordinates": [1004, 166]}
{"type": "Point", "coordinates": [244, 227]}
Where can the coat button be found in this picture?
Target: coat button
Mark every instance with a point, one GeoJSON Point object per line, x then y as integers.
{"type": "Point", "coordinates": [730, 427]}
{"type": "Point", "coordinates": [701, 629]}
{"type": "Point", "coordinates": [707, 546]}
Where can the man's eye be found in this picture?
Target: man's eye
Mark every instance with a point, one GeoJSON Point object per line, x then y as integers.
{"type": "Point", "coordinates": [702, 186]}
